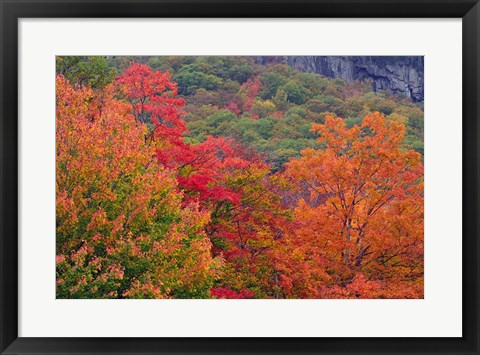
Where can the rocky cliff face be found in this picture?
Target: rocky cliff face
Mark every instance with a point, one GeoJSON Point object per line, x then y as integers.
{"type": "Point", "coordinates": [402, 75]}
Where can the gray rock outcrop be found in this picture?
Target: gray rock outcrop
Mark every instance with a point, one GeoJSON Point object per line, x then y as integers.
{"type": "Point", "coordinates": [400, 74]}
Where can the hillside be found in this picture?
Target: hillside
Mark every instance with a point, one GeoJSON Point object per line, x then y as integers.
{"type": "Point", "coordinates": [269, 103]}
{"type": "Point", "coordinates": [235, 177]}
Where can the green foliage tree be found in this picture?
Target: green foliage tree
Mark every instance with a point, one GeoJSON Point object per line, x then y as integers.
{"type": "Point", "coordinates": [296, 93]}
{"type": "Point", "coordinates": [190, 80]}
{"type": "Point", "coordinates": [93, 71]}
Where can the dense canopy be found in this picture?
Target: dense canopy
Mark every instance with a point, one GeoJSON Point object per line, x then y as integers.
{"type": "Point", "coordinates": [217, 177]}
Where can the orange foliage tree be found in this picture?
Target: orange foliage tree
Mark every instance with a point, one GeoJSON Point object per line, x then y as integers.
{"type": "Point", "coordinates": [359, 230]}
{"type": "Point", "coordinates": [122, 228]}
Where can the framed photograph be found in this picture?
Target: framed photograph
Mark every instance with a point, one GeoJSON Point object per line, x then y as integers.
{"type": "Point", "coordinates": [239, 177]}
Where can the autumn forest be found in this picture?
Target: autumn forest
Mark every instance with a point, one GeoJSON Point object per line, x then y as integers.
{"type": "Point", "coordinates": [234, 178]}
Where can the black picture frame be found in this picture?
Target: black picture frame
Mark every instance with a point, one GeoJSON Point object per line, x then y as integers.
{"type": "Point", "coordinates": [11, 11]}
